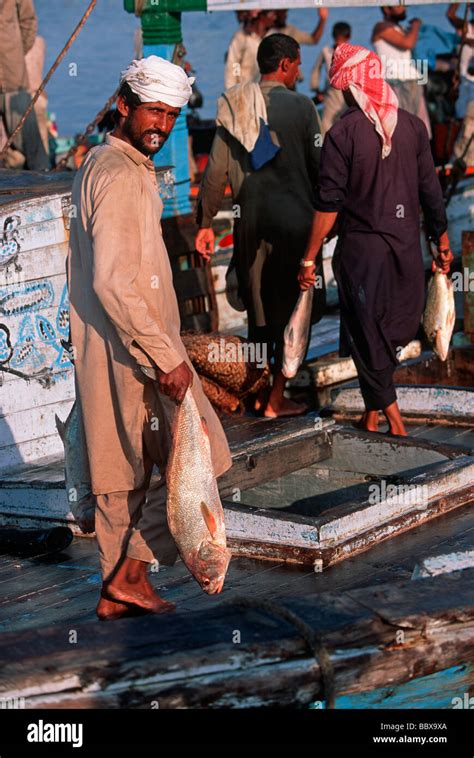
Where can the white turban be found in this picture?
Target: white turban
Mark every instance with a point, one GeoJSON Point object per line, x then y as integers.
{"type": "Point", "coordinates": [155, 79]}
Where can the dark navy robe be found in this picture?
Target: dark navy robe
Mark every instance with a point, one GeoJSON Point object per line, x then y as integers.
{"type": "Point", "coordinates": [378, 262]}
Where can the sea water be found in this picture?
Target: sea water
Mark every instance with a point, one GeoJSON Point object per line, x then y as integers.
{"type": "Point", "coordinates": [89, 73]}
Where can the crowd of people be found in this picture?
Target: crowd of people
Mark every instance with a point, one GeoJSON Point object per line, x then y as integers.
{"type": "Point", "coordinates": [393, 42]}
{"type": "Point", "coordinates": [293, 187]}
{"type": "Point", "coordinates": [282, 162]}
{"type": "Point", "coordinates": [366, 181]}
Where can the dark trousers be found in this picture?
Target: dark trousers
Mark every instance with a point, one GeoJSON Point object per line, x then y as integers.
{"type": "Point", "coordinates": [12, 107]}
{"type": "Point", "coordinates": [381, 303]}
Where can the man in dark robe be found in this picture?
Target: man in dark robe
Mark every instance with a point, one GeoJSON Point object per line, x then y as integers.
{"type": "Point", "coordinates": [267, 144]}
{"type": "Point", "coordinates": [376, 171]}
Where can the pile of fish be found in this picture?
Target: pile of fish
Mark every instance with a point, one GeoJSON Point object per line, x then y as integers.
{"type": "Point", "coordinates": [440, 313]}
{"type": "Point", "coordinates": [296, 334]}
{"type": "Point", "coordinates": [194, 509]}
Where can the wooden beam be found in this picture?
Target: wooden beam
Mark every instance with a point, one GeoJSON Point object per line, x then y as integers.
{"type": "Point", "coordinates": [267, 449]}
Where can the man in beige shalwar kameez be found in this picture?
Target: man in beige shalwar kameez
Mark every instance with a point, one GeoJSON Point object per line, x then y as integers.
{"type": "Point", "coordinates": [124, 314]}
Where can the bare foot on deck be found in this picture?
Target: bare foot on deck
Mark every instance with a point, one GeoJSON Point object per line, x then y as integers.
{"type": "Point", "coordinates": [369, 422]}
{"type": "Point", "coordinates": [109, 610]}
{"type": "Point", "coordinates": [284, 407]}
{"type": "Point", "coordinates": [262, 399]}
{"type": "Point", "coordinates": [395, 421]}
{"type": "Point", "coordinates": [130, 585]}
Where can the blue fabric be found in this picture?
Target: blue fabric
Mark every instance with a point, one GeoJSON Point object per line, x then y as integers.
{"type": "Point", "coordinates": [432, 42]}
{"type": "Point", "coordinates": [264, 150]}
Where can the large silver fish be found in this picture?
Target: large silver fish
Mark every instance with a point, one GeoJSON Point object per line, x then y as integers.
{"type": "Point", "coordinates": [76, 469]}
{"type": "Point", "coordinates": [440, 313]}
{"type": "Point", "coordinates": [194, 509]}
{"type": "Point", "coordinates": [296, 334]}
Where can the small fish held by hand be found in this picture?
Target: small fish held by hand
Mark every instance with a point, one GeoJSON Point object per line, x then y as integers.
{"type": "Point", "coordinates": [194, 509]}
{"type": "Point", "coordinates": [440, 313]}
{"type": "Point", "coordinates": [296, 334]}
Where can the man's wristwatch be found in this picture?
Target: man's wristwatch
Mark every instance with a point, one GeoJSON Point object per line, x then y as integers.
{"type": "Point", "coordinates": [306, 264]}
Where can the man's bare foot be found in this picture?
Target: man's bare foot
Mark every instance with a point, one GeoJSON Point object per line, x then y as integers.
{"type": "Point", "coordinates": [262, 399]}
{"type": "Point", "coordinates": [395, 421]}
{"type": "Point", "coordinates": [284, 407]}
{"type": "Point", "coordinates": [130, 585]}
{"type": "Point", "coordinates": [109, 610]}
{"type": "Point", "coordinates": [369, 422]}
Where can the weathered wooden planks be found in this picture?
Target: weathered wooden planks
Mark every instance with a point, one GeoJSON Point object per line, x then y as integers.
{"type": "Point", "coordinates": [443, 564]}
{"type": "Point", "coordinates": [237, 657]}
{"type": "Point", "coordinates": [263, 450]}
{"type": "Point", "coordinates": [52, 598]}
{"type": "Point", "coordinates": [417, 481]}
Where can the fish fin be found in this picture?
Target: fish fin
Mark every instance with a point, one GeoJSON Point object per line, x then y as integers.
{"type": "Point", "coordinates": [60, 426]}
{"type": "Point", "coordinates": [209, 519]}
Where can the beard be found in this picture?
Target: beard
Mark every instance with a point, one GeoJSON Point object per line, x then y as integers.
{"type": "Point", "coordinates": [148, 142]}
{"type": "Point", "coordinates": [397, 17]}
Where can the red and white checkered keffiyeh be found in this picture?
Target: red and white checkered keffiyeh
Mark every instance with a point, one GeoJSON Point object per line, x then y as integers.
{"type": "Point", "coordinates": [359, 70]}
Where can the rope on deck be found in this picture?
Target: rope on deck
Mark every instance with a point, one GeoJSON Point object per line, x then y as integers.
{"type": "Point", "coordinates": [48, 76]}
{"type": "Point", "coordinates": [313, 640]}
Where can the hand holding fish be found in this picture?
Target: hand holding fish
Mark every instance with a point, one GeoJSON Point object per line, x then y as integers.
{"type": "Point", "coordinates": [176, 382]}
{"type": "Point", "coordinates": [323, 224]}
{"type": "Point", "coordinates": [205, 243]}
{"type": "Point", "coordinates": [444, 257]}
{"type": "Point", "coordinates": [442, 261]}
{"type": "Point", "coordinates": [307, 275]}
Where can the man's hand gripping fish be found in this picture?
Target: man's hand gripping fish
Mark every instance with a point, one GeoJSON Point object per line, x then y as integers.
{"type": "Point", "coordinates": [296, 334]}
{"type": "Point", "coordinates": [194, 509]}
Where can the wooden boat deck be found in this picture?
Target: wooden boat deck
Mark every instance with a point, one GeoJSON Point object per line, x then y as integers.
{"type": "Point", "coordinates": [238, 655]}
{"type": "Point", "coordinates": [39, 591]}
{"type": "Point", "coordinates": [57, 589]}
